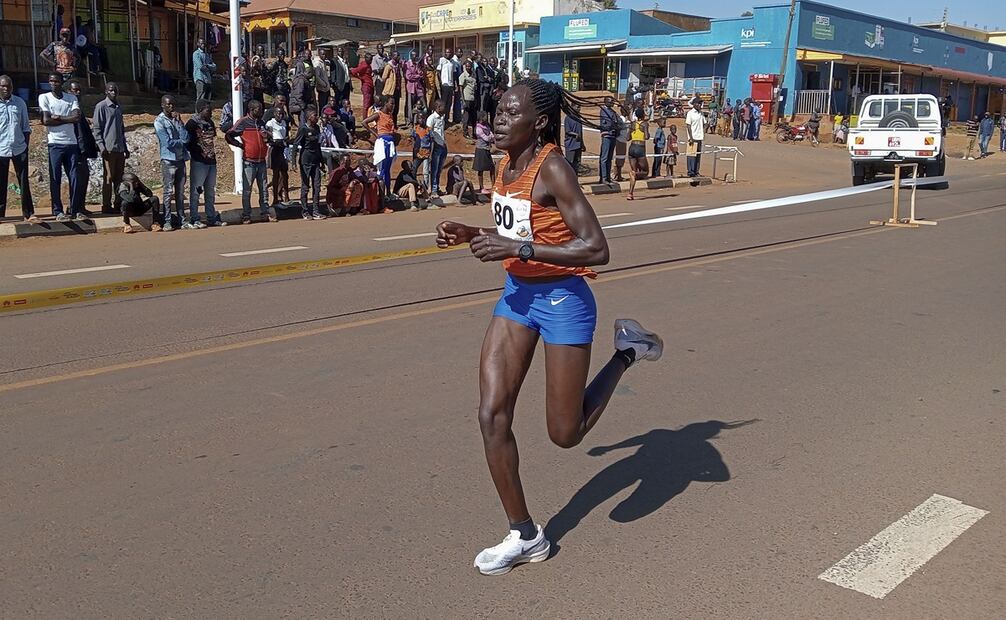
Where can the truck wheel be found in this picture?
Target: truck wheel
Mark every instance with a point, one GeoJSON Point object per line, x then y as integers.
{"type": "Point", "coordinates": [857, 180]}
{"type": "Point", "coordinates": [899, 120]}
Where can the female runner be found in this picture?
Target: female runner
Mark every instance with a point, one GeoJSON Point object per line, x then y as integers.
{"type": "Point", "coordinates": [547, 237]}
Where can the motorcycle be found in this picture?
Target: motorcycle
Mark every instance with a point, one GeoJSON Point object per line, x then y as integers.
{"type": "Point", "coordinates": [787, 133]}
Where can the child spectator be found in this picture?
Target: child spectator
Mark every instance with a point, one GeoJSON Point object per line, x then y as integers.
{"type": "Point", "coordinates": [484, 142]}
{"type": "Point", "coordinates": [671, 156]}
{"type": "Point", "coordinates": [131, 192]}
{"type": "Point", "coordinates": [279, 130]}
{"type": "Point", "coordinates": [659, 144]}
{"type": "Point", "coordinates": [458, 185]}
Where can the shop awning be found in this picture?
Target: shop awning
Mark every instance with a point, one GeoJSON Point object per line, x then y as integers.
{"type": "Point", "coordinates": [673, 51]}
{"type": "Point", "coordinates": [268, 22]}
{"type": "Point", "coordinates": [577, 47]}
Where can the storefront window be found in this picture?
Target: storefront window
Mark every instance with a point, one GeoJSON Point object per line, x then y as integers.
{"type": "Point", "coordinates": [467, 44]}
{"type": "Point", "coordinates": [488, 44]}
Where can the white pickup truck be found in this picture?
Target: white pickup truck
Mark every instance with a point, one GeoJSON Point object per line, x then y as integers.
{"type": "Point", "coordinates": [897, 129]}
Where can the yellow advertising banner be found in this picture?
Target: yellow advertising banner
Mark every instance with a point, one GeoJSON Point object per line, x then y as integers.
{"type": "Point", "coordinates": [265, 23]}
{"type": "Point", "coordinates": [473, 14]}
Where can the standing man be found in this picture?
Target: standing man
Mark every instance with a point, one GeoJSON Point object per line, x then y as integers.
{"type": "Point", "coordinates": [736, 120]}
{"type": "Point", "coordinates": [279, 71]}
{"type": "Point", "coordinates": [466, 90]}
{"type": "Point", "coordinates": [695, 131]}
{"type": "Point", "coordinates": [341, 84]}
{"type": "Point", "coordinates": [60, 113]}
{"type": "Point", "coordinates": [573, 144]}
{"type": "Point", "coordinates": [173, 140]}
{"type": "Point", "coordinates": [985, 130]}
{"type": "Point", "coordinates": [365, 74]}
{"type": "Point", "coordinates": [727, 119]}
{"type": "Point", "coordinates": [754, 131]}
{"type": "Point", "coordinates": [377, 64]}
{"type": "Point", "coordinates": [110, 136]}
{"type": "Point", "coordinates": [458, 110]}
{"type": "Point", "coordinates": [415, 84]}
{"type": "Point", "coordinates": [322, 77]}
{"type": "Point", "coordinates": [745, 115]}
{"type": "Point", "coordinates": [250, 135]}
{"type": "Point", "coordinates": [202, 70]}
{"type": "Point", "coordinates": [391, 77]}
{"type": "Point", "coordinates": [88, 151]}
{"type": "Point", "coordinates": [438, 155]}
{"type": "Point", "coordinates": [971, 130]}
{"type": "Point", "coordinates": [15, 133]}
{"type": "Point", "coordinates": [1002, 132]}
{"type": "Point", "coordinates": [203, 169]}
{"type": "Point", "coordinates": [445, 72]}
{"type": "Point", "coordinates": [609, 135]}
{"type": "Point", "coordinates": [62, 55]}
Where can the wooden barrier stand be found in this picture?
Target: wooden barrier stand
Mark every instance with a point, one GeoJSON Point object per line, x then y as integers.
{"type": "Point", "coordinates": [896, 219]}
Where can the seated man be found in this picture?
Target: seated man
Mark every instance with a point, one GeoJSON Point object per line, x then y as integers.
{"type": "Point", "coordinates": [132, 192]}
{"type": "Point", "coordinates": [338, 183]}
{"type": "Point", "coordinates": [407, 186]}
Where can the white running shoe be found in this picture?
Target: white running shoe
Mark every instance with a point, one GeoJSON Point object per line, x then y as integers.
{"type": "Point", "coordinates": [511, 552]}
{"type": "Point", "coordinates": [630, 334]}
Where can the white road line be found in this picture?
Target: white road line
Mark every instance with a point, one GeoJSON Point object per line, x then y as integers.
{"type": "Point", "coordinates": [742, 202]}
{"type": "Point", "coordinates": [63, 272]}
{"type": "Point", "coordinates": [779, 202]}
{"type": "Point", "coordinates": [903, 547]}
{"type": "Point", "coordinates": [266, 251]}
{"type": "Point", "coordinates": [414, 236]}
{"type": "Point", "coordinates": [683, 208]}
{"type": "Point", "coordinates": [601, 217]}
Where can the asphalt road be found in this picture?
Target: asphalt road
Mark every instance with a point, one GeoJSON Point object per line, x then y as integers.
{"type": "Point", "coordinates": [308, 446]}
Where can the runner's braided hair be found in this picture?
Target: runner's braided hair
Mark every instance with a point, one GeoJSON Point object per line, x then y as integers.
{"type": "Point", "coordinates": [553, 101]}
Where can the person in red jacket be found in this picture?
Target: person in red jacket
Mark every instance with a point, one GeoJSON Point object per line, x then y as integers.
{"type": "Point", "coordinates": [365, 74]}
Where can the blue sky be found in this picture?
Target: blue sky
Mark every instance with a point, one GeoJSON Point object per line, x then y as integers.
{"type": "Point", "coordinates": [971, 11]}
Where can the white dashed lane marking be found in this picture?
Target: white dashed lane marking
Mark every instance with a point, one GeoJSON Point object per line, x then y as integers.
{"type": "Point", "coordinates": [64, 272]}
{"type": "Point", "coordinates": [903, 547]}
{"type": "Point", "coordinates": [412, 236]}
{"type": "Point", "coordinates": [265, 251]}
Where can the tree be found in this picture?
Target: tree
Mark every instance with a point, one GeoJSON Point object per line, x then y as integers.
{"type": "Point", "coordinates": [608, 5]}
{"type": "Point", "coordinates": [747, 14]}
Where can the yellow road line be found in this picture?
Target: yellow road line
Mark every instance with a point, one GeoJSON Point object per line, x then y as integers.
{"type": "Point", "coordinates": [92, 372]}
{"type": "Point", "coordinates": [18, 302]}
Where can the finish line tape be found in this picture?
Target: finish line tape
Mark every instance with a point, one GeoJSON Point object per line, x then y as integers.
{"type": "Point", "coordinates": [782, 202]}
{"type": "Point", "coordinates": [63, 296]}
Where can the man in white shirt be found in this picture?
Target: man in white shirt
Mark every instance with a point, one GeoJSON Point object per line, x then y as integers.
{"type": "Point", "coordinates": [445, 69]}
{"type": "Point", "coordinates": [60, 112]}
{"type": "Point", "coordinates": [438, 154]}
{"type": "Point", "coordinates": [695, 131]}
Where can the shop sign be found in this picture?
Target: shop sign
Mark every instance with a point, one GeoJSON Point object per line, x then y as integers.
{"type": "Point", "coordinates": [748, 39]}
{"type": "Point", "coordinates": [580, 29]}
{"type": "Point", "coordinates": [915, 45]}
{"type": "Point", "coordinates": [875, 38]}
{"type": "Point", "coordinates": [822, 30]}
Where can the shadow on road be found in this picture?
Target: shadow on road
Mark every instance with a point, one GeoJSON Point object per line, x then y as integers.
{"type": "Point", "coordinates": [665, 464]}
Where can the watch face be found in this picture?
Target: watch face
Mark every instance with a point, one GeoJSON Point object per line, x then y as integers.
{"type": "Point", "coordinates": [526, 251]}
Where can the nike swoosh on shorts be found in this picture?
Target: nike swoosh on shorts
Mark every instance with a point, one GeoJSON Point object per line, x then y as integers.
{"type": "Point", "coordinates": [556, 302]}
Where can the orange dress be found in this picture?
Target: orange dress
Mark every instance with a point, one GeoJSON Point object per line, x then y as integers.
{"type": "Point", "coordinates": [518, 217]}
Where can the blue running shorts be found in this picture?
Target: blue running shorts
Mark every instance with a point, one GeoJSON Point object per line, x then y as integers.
{"type": "Point", "coordinates": [562, 311]}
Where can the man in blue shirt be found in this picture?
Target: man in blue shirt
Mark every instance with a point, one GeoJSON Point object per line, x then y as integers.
{"type": "Point", "coordinates": [573, 144]}
{"type": "Point", "coordinates": [14, 134]}
{"type": "Point", "coordinates": [609, 132]}
{"type": "Point", "coordinates": [173, 139]}
{"type": "Point", "coordinates": [202, 70]}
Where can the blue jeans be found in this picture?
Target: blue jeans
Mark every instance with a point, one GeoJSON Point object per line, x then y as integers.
{"type": "Point", "coordinates": [62, 158]}
{"type": "Point", "coordinates": [387, 162]}
{"type": "Point", "coordinates": [173, 177]}
{"type": "Point", "coordinates": [254, 172]}
{"type": "Point", "coordinates": [204, 176]}
{"type": "Point", "coordinates": [607, 155]}
{"type": "Point", "coordinates": [438, 156]}
{"type": "Point", "coordinates": [1002, 140]}
{"type": "Point", "coordinates": [695, 162]}
{"type": "Point", "coordinates": [983, 143]}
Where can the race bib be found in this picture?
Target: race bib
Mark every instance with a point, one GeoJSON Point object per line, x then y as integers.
{"type": "Point", "coordinates": [513, 217]}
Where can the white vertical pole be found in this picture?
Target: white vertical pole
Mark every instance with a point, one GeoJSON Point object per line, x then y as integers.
{"type": "Point", "coordinates": [235, 9]}
{"type": "Point", "coordinates": [509, 45]}
{"type": "Point", "coordinates": [831, 82]}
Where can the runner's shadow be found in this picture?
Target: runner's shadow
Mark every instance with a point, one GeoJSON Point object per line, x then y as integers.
{"type": "Point", "coordinates": [664, 465]}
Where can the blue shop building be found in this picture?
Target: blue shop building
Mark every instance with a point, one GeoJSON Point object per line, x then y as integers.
{"type": "Point", "coordinates": [834, 59]}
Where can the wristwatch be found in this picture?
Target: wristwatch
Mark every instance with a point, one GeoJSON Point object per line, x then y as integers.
{"type": "Point", "coordinates": [526, 252]}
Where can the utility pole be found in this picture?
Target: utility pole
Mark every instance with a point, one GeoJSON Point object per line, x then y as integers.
{"type": "Point", "coordinates": [785, 61]}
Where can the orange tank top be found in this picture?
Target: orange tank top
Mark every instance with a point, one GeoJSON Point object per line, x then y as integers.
{"type": "Point", "coordinates": [518, 217]}
{"type": "Point", "coordinates": [385, 124]}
